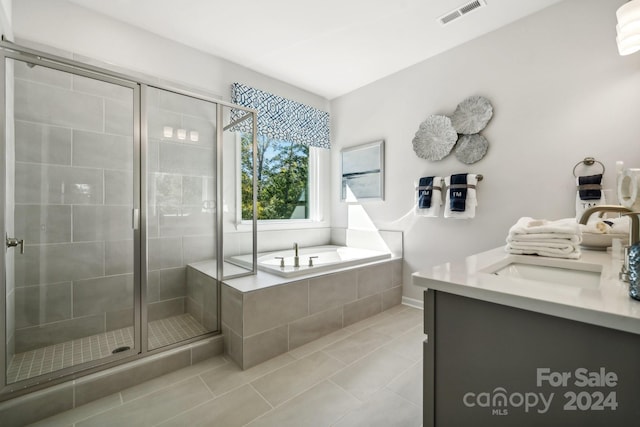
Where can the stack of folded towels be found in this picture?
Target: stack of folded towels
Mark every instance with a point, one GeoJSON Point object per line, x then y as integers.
{"type": "Point", "coordinates": [559, 239]}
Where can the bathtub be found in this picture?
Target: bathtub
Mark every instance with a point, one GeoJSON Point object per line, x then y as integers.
{"type": "Point", "coordinates": [328, 258]}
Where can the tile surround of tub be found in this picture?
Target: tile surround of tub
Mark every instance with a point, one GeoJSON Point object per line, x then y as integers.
{"type": "Point", "coordinates": [261, 324]}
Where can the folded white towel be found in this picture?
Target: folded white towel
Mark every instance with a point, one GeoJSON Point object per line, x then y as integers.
{"type": "Point", "coordinates": [470, 202]}
{"type": "Point", "coordinates": [559, 238]}
{"type": "Point", "coordinates": [557, 246]}
{"type": "Point", "coordinates": [545, 251]}
{"type": "Point", "coordinates": [546, 237]}
{"type": "Point", "coordinates": [527, 225]}
{"type": "Point", "coordinates": [436, 200]}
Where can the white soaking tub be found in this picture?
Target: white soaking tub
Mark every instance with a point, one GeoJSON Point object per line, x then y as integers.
{"type": "Point", "coordinates": [324, 258]}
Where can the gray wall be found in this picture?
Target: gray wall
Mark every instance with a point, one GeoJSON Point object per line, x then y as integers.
{"type": "Point", "coordinates": [560, 93]}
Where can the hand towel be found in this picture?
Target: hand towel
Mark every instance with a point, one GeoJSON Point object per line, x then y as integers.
{"type": "Point", "coordinates": [469, 201]}
{"type": "Point", "coordinates": [589, 193]}
{"type": "Point", "coordinates": [429, 200]}
{"type": "Point", "coordinates": [589, 187]}
{"type": "Point", "coordinates": [458, 195]}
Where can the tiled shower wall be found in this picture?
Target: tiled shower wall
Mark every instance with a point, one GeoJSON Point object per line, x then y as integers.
{"type": "Point", "coordinates": [74, 156]}
{"type": "Point", "coordinates": [181, 217]}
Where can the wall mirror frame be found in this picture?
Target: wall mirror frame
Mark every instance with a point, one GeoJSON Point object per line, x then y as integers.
{"type": "Point", "coordinates": [362, 172]}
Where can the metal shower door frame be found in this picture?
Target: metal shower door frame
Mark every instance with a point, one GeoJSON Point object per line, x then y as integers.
{"type": "Point", "coordinates": [10, 50]}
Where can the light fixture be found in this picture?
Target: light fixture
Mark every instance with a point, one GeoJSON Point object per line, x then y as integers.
{"type": "Point", "coordinates": [628, 28]}
{"type": "Point", "coordinates": [182, 133]}
{"type": "Point", "coordinates": [167, 131]}
{"type": "Point", "coordinates": [194, 136]}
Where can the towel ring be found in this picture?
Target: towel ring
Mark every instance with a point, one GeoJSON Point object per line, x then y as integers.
{"type": "Point", "coordinates": [588, 161]}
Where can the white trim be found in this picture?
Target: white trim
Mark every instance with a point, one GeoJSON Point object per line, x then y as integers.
{"type": "Point", "coordinates": [412, 302]}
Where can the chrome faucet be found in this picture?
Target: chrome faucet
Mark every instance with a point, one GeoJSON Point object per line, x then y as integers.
{"type": "Point", "coordinates": [634, 230]}
{"type": "Point", "coordinates": [296, 256]}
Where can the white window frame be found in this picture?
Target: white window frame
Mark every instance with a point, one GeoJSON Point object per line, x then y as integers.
{"type": "Point", "coordinates": [317, 187]}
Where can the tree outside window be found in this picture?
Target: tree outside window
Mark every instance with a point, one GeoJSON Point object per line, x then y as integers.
{"type": "Point", "coordinates": [283, 179]}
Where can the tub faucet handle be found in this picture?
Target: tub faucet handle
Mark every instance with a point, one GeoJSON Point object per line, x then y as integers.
{"type": "Point", "coordinates": [311, 260]}
{"type": "Point", "coordinates": [281, 258]}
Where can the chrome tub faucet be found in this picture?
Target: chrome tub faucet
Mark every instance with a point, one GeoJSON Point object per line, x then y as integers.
{"type": "Point", "coordinates": [296, 256]}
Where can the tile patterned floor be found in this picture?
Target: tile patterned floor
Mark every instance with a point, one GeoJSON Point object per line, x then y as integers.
{"type": "Point", "coordinates": [48, 359]}
{"type": "Point", "coordinates": [368, 374]}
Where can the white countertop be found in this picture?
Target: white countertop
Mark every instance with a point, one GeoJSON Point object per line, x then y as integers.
{"type": "Point", "coordinates": [607, 304]}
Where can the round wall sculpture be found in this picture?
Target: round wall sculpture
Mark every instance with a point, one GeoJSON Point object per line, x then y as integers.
{"type": "Point", "coordinates": [435, 138]}
{"type": "Point", "coordinates": [438, 135]}
{"type": "Point", "coordinates": [472, 115]}
{"type": "Point", "coordinates": [471, 148]}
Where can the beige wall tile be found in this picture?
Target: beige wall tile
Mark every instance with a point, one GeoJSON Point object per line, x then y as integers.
{"type": "Point", "coordinates": [362, 308]}
{"type": "Point", "coordinates": [275, 306]}
{"type": "Point", "coordinates": [313, 327]}
{"type": "Point", "coordinates": [374, 279]}
{"type": "Point", "coordinates": [332, 290]}
{"type": "Point", "coordinates": [391, 297]}
{"type": "Point", "coordinates": [231, 310]}
{"type": "Point", "coordinates": [263, 346]}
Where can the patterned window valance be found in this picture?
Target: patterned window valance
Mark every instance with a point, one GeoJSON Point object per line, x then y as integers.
{"type": "Point", "coordinates": [282, 118]}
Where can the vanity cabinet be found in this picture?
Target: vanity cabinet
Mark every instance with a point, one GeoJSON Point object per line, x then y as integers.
{"type": "Point", "coordinates": [488, 364]}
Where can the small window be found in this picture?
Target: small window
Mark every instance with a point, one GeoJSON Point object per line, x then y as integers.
{"type": "Point", "coordinates": [283, 179]}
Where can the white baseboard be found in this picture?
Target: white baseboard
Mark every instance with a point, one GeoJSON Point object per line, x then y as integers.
{"type": "Point", "coordinates": [412, 302]}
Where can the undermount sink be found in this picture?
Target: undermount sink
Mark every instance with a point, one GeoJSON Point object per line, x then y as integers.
{"type": "Point", "coordinates": [550, 271]}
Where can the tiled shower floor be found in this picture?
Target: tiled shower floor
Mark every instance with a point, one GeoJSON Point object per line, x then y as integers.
{"type": "Point", "coordinates": [54, 357]}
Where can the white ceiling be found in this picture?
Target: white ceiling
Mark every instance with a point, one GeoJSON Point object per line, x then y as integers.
{"type": "Point", "coordinates": [328, 47]}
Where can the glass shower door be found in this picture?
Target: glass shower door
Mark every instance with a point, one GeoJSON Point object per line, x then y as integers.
{"type": "Point", "coordinates": [182, 287]}
{"type": "Point", "coordinates": [71, 219]}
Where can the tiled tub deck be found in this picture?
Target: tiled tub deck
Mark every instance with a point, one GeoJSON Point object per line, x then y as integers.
{"type": "Point", "coordinates": [265, 315]}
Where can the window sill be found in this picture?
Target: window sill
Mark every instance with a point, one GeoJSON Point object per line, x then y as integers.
{"type": "Point", "coordinates": [293, 224]}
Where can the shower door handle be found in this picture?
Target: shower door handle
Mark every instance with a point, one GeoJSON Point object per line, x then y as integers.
{"type": "Point", "coordinates": [12, 242]}
{"type": "Point", "coordinates": [135, 218]}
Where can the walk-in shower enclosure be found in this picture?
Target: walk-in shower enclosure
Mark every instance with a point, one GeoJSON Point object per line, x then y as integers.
{"type": "Point", "coordinates": [111, 187]}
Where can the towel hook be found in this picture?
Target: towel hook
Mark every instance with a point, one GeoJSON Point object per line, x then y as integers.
{"type": "Point", "coordinates": [588, 161]}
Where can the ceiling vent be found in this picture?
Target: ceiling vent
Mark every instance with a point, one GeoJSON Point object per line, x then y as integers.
{"type": "Point", "coordinates": [461, 11]}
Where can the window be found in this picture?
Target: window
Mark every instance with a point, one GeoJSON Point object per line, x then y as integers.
{"type": "Point", "coordinates": [283, 171]}
{"type": "Point", "coordinates": [294, 143]}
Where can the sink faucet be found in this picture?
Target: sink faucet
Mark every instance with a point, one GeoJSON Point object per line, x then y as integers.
{"type": "Point", "coordinates": [634, 230]}
{"type": "Point", "coordinates": [602, 208]}
{"type": "Point", "coordinates": [296, 256]}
